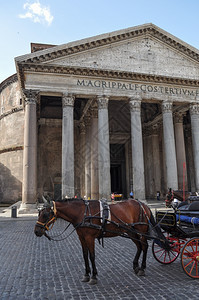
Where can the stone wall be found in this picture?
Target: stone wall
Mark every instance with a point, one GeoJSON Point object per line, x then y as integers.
{"type": "Point", "coordinates": [11, 141]}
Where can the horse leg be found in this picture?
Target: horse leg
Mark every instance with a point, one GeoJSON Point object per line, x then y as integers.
{"type": "Point", "coordinates": [91, 247]}
{"type": "Point", "coordinates": [138, 253]}
{"type": "Point", "coordinates": [144, 245]}
{"type": "Point", "coordinates": [86, 276]}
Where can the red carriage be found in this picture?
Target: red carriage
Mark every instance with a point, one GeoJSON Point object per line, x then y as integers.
{"type": "Point", "coordinates": [181, 228]}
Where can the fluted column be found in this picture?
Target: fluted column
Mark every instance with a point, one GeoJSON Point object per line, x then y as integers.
{"type": "Point", "coordinates": [88, 158]}
{"type": "Point", "coordinates": [94, 155]}
{"type": "Point", "coordinates": [68, 146]}
{"type": "Point", "coordinates": [82, 157]}
{"type": "Point", "coordinates": [137, 149]}
{"type": "Point", "coordinates": [180, 150]}
{"type": "Point", "coordinates": [194, 112]}
{"type": "Point", "coordinates": [156, 158]}
{"type": "Point", "coordinates": [29, 190]}
{"type": "Point", "coordinates": [103, 148]}
{"type": "Point", "coordinates": [169, 144]}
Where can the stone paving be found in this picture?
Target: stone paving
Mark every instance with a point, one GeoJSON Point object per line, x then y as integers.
{"type": "Point", "coordinates": [39, 269]}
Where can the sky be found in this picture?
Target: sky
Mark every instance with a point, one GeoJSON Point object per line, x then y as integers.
{"type": "Point", "coordinates": [57, 22]}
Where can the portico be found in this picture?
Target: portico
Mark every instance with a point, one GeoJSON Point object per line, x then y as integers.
{"type": "Point", "coordinates": [90, 111]}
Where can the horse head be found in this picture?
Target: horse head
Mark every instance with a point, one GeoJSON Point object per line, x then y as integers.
{"type": "Point", "coordinates": [46, 218]}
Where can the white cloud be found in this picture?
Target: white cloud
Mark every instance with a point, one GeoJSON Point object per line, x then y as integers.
{"type": "Point", "coordinates": [37, 13]}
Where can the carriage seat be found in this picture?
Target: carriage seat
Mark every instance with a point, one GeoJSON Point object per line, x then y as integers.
{"type": "Point", "coordinates": [194, 206]}
{"type": "Point", "coordinates": [194, 198]}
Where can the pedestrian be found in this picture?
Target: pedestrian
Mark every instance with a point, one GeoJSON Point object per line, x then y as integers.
{"type": "Point", "coordinates": [158, 195]}
{"type": "Point", "coordinates": [131, 194]}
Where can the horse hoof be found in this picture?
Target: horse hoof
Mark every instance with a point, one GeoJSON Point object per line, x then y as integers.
{"type": "Point", "coordinates": [86, 278]}
{"type": "Point", "coordinates": [93, 281]}
{"type": "Point", "coordinates": [136, 270]}
{"type": "Point", "coordinates": [141, 273]}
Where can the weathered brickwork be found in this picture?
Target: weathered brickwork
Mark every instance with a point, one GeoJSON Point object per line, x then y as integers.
{"type": "Point", "coordinates": [11, 142]}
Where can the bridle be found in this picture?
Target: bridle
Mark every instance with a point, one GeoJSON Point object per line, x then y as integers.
{"type": "Point", "coordinates": [51, 221]}
{"type": "Point", "coordinates": [48, 223]}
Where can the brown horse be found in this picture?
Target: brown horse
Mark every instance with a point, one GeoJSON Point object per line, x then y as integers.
{"type": "Point", "coordinates": [178, 194]}
{"type": "Point", "coordinates": [129, 218]}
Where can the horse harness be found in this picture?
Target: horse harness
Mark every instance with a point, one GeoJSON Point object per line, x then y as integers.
{"type": "Point", "coordinates": [103, 214]}
{"type": "Point", "coordinates": [105, 217]}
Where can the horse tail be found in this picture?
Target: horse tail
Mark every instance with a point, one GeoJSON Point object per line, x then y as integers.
{"type": "Point", "coordinates": [156, 229]}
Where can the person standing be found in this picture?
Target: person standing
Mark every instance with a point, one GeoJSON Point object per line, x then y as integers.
{"type": "Point", "coordinates": [158, 195]}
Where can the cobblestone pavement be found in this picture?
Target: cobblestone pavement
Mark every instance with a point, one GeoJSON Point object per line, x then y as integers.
{"type": "Point", "coordinates": [36, 268]}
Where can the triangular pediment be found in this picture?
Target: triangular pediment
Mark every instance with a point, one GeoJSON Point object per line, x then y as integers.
{"type": "Point", "coordinates": [144, 49]}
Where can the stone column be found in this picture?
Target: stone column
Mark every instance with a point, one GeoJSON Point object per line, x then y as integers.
{"type": "Point", "coordinates": [190, 159]}
{"type": "Point", "coordinates": [82, 157]}
{"type": "Point", "coordinates": [137, 149]}
{"type": "Point", "coordinates": [169, 144]}
{"type": "Point", "coordinates": [94, 155]}
{"type": "Point", "coordinates": [194, 112]}
{"type": "Point", "coordinates": [156, 158]}
{"type": "Point", "coordinates": [88, 158]}
{"type": "Point", "coordinates": [29, 190]}
{"type": "Point", "coordinates": [103, 149]}
{"type": "Point", "coordinates": [68, 189]}
{"type": "Point", "coordinates": [180, 149]}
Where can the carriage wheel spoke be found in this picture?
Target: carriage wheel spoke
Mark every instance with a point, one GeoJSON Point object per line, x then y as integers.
{"type": "Point", "coordinates": [190, 258]}
{"type": "Point", "coordinates": [190, 272]}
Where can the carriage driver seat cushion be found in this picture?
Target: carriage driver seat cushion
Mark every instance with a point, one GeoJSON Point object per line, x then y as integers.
{"type": "Point", "coordinates": [194, 206]}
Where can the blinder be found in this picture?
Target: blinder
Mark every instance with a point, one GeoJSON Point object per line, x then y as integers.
{"type": "Point", "coordinates": [49, 216]}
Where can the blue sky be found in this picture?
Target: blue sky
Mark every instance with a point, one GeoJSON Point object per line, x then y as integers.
{"type": "Point", "coordinates": [61, 21]}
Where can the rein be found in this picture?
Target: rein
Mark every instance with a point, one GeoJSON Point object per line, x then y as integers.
{"type": "Point", "coordinates": [50, 222]}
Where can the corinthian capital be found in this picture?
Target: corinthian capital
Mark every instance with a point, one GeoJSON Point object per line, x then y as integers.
{"type": "Point", "coordinates": [167, 106]}
{"type": "Point", "coordinates": [102, 102]}
{"type": "Point", "coordinates": [30, 96]}
{"type": "Point", "coordinates": [194, 109]}
{"type": "Point", "coordinates": [178, 117]}
{"type": "Point", "coordinates": [135, 105]}
{"type": "Point", "coordinates": [82, 128]}
{"type": "Point", "coordinates": [68, 100]}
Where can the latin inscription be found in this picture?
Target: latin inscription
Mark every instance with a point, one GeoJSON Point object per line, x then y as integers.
{"type": "Point", "coordinates": [136, 87]}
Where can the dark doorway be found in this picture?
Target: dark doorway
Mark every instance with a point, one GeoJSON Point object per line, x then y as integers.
{"type": "Point", "coordinates": [118, 169]}
{"type": "Point", "coordinates": [116, 178]}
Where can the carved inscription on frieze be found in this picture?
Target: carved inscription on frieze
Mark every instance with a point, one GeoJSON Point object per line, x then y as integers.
{"type": "Point", "coordinates": [146, 88]}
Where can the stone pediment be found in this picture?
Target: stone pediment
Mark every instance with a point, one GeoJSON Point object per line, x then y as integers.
{"type": "Point", "coordinates": [144, 49]}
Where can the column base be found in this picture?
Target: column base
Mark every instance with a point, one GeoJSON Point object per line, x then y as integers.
{"type": "Point", "coordinates": [26, 208]}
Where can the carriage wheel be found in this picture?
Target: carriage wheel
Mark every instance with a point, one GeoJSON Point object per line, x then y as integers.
{"type": "Point", "coordinates": [164, 256]}
{"type": "Point", "coordinates": [190, 258]}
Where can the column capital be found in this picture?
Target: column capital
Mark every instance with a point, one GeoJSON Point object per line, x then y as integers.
{"type": "Point", "coordinates": [155, 129]}
{"type": "Point", "coordinates": [102, 102]}
{"type": "Point", "coordinates": [68, 100]}
{"type": "Point", "coordinates": [87, 121]}
{"type": "Point", "coordinates": [135, 104]}
{"type": "Point", "coordinates": [178, 117]}
{"type": "Point", "coordinates": [167, 106]}
{"type": "Point", "coordinates": [82, 128]}
{"type": "Point", "coordinates": [94, 112]}
{"type": "Point", "coordinates": [30, 96]}
{"type": "Point", "coordinates": [194, 108]}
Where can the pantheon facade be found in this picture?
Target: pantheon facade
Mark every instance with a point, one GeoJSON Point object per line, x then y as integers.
{"type": "Point", "coordinates": [118, 112]}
